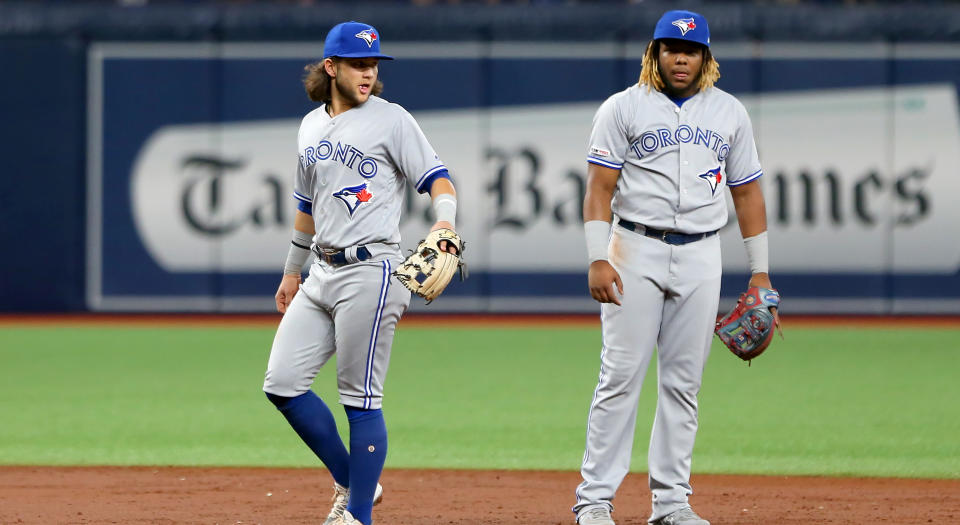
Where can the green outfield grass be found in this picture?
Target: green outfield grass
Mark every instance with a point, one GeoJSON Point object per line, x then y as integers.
{"type": "Point", "coordinates": [836, 401]}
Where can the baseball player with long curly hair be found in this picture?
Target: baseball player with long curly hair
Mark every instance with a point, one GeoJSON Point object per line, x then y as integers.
{"type": "Point", "coordinates": [357, 152]}
{"type": "Point", "coordinates": [660, 154]}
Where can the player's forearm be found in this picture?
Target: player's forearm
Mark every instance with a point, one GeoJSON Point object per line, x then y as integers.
{"type": "Point", "coordinates": [303, 231]}
{"type": "Point", "coordinates": [752, 216]}
{"type": "Point", "coordinates": [751, 208]}
{"type": "Point", "coordinates": [596, 206]}
{"type": "Point", "coordinates": [303, 222]}
{"type": "Point", "coordinates": [601, 183]}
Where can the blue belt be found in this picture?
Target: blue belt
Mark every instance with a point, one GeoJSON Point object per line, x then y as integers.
{"type": "Point", "coordinates": [339, 258]}
{"type": "Point", "coordinates": [674, 238]}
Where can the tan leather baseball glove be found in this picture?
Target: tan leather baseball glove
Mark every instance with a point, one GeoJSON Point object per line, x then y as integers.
{"type": "Point", "coordinates": [428, 270]}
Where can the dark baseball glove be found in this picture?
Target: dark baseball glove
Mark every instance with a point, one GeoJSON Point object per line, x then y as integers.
{"type": "Point", "coordinates": [428, 270]}
{"type": "Point", "coordinates": [748, 329]}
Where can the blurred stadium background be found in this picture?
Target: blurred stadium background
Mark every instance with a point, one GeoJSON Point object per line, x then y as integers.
{"type": "Point", "coordinates": [148, 146]}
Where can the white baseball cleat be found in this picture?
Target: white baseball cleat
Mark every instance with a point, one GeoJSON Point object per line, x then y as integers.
{"type": "Point", "coordinates": [597, 515]}
{"type": "Point", "coordinates": [347, 519]}
{"type": "Point", "coordinates": [340, 496]}
{"type": "Point", "coordinates": [684, 516]}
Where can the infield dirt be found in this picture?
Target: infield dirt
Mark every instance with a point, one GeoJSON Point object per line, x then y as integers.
{"type": "Point", "coordinates": [175, 495]}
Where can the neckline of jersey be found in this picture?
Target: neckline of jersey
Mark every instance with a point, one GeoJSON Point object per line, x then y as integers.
{"type": "Point", "coordinates": [680, 100]}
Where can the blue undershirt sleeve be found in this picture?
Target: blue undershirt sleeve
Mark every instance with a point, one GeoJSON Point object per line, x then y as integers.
{"type": "Point", "coordinates": [305, 207]}
{"type": "Point", "coordinates": [428, 184]}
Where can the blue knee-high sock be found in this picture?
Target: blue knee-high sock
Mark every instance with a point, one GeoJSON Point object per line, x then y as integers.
{"type": "Point", "coordinates": [314, 423]}
{"type": "Point", "coordinates": [368, 451]}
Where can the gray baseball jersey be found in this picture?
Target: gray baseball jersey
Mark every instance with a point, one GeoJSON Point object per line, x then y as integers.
{"type": "Point", "coordinates": [353, 171]}
{"type": "Point", "coordinates": [353, 167]}
{"type": "Point", "coordinates": [674, 161]}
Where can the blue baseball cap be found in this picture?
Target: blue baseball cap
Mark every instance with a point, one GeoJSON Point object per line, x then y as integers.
{"type": "Point", "coordinates": [683, 25]}
{"type": "Point", "coordinates": [353, 40]}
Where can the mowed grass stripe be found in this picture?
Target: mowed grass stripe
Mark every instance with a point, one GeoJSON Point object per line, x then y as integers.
{"type": "Point", "coordinates": [833, 401]}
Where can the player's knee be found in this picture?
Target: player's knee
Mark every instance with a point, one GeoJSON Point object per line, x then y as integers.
{"type": "Point", "coordinates": [685, 388]}
{"type": "Point", "coordinates": [285, 381]}
{"type": "Point", "coordinates": [619, 379]}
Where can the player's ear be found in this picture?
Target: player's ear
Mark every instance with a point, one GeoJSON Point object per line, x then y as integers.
{"type": "Point", "coordinates": [330, 67]}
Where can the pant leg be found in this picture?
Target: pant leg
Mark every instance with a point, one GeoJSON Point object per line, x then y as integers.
{"type": "Point", "coordinates": [370, 302]}
{"type": "Point", "coordinates": [629, 335]}
{"type": "Point", "coordinates": [303, 344]}
{"type": "Point", "coordinates": [689, 315]}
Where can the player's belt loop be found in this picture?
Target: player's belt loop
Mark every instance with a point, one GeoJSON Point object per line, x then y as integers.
{"type": "Point", "coordinates": [350, 254]}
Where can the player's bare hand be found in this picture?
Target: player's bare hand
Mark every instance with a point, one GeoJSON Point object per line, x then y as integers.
{"type": "Point", "coordinates": [444, 245]}
{"type": "Point", "coordinates": [289, 286]}
{"type": "Point", "coordinates": [762, 280]}
{"type": "Point", "coordinates": [601, 278]}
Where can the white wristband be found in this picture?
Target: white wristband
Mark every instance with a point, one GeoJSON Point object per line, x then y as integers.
{"type": "Point", "coordinates": [757, 253]}
{"type": "Point", "coordinates": [445, 207]}
{"type": "Point", "coordinates": [299, 251]}
{"type": "Point", "coordinates": [598, 237]}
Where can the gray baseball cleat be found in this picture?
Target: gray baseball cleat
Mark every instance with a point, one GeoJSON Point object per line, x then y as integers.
{"type": "Point", "coordinates": [340, 496]}
{"type": "Point", "coordinates": [598, 515]}
{"type": "Point", "coordinates": [684, 516]}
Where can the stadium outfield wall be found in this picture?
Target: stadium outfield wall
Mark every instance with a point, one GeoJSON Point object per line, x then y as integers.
{"type": "Point", "coordinates": [152, 171]}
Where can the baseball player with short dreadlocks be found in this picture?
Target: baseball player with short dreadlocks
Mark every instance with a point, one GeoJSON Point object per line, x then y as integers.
{"type": "Point", "coordinates": [661, 152]}
{"type": "Point", "coordinates": [357, 152]}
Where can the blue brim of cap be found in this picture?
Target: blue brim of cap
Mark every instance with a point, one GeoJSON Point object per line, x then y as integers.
{"type": "Point", "coordinates": [361, 54]}
{"type": "Point", "coordinates": [679, 39]}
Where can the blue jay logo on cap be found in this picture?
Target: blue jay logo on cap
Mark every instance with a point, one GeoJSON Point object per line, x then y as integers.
{"type": "Point", "coordinates": [684, 25]}
{"type": "Point", "coordinates": [368, 36]}
{"type": "Point", "coordinates": [692, 26]}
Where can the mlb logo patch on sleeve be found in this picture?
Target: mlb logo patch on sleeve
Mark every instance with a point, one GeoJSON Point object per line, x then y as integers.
{"type": "Point", "coordinates": [599, 152]}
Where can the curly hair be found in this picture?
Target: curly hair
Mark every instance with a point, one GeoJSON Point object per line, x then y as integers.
{"type": "Point", "coordinates": [316, 82]}
{"type": "Point", "coordinates": [650, 70]}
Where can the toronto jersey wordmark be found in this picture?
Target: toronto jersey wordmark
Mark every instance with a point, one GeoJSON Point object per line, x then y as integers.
{"type": "Point", "coordinates": [673, 158]}
{"type": "Point", "coordinates": [353, 170]}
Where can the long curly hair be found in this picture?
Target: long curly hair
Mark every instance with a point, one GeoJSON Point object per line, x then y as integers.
{"type": "Point", "coordinates": [650, 70]}
{"type": "Point", "coordinates": [316, 82]}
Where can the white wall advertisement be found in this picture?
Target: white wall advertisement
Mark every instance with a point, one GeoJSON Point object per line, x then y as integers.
{"type": "Point", "coordinates": [846, 168]}
{"type": "Point", "coordinates": [855, 181]}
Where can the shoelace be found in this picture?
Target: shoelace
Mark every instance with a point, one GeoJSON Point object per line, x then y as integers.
{"type": "Point", "coordinates": [339, 500]}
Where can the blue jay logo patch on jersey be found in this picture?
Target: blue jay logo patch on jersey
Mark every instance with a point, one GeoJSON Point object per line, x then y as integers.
{"type": "Point", "coordinates": [684, 25]}
{"type": "Point", "coordinates": [713, 178]}
{"type": "Point", "coordinates": [354, 196]}
{"type": "Point", "coordinates": [368, 36]}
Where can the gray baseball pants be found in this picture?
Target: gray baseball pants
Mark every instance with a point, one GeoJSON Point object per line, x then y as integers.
{"type": "Point", "coordinates": [670, 301]}
{"type": "Point", "coordinates": [349, 311]}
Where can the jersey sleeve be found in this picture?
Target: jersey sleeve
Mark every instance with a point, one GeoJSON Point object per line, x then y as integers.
{"type": "Point", "coordinates": [413, 154]}
{"type": "Point", "coordinates": [303, 184]}
{"type": "Point", "coordinates": [608, 139]}
{"type": "Point", "coordinates": [743, 163]}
